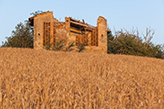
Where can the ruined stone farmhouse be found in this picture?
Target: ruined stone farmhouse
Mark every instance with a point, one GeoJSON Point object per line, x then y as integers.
{"type": "Point", "coordinates": [47, 27]}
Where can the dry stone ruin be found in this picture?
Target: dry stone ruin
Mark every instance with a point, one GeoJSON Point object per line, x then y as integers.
{"type": "Point", "coordinates": [47, 27]}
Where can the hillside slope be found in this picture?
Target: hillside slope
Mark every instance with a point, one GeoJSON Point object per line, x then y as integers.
{"type": "Point", "coordinates": [49, 80]}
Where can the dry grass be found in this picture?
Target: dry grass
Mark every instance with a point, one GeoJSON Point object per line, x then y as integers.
{"type": "Point", "coordinates": [40, 79]}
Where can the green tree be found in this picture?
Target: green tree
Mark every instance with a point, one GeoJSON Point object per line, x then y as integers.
{"type": "Point", "coordinates": [36, 12]}
{"type": "Point", "coordinates": [21, 37]}
{"type": "Point", "coordinates": [110, 37]}
{"type": "Point", "coordinates": [128, 43]}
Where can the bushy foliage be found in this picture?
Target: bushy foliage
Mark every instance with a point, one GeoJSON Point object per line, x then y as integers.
{"type": "Point", "coordinates": [131, 44]}
{"type": "Point", "coordinates": [21, 37]}
{"type": "Point", "coordinates": [58, 45]}
{"type": "Point", "coordinates": [81, 46]}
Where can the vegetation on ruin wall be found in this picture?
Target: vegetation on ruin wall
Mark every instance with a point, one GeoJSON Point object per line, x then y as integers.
{"type": "Point", "coordinates": [61, 45]}
{"type": "Point", "coordinates": [58, 45]}
{"type": "Point", "coordinates": [128, 43]}
{"type": "Point", "coordinates": [39, 79]}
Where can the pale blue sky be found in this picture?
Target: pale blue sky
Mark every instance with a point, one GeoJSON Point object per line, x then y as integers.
{"type": "Point", "coordinates": [119, 13]}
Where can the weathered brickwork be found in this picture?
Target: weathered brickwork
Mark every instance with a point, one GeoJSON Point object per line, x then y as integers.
{"type": "Point", "coordinates": [46, 27]}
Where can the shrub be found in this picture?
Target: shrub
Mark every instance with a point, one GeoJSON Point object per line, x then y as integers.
{"type": "Point", "coordinates": [81, 46]}
{"type": "Point", "coordinates": [59, 45]}
{"type": "Point", "coordinates": [128, 43]}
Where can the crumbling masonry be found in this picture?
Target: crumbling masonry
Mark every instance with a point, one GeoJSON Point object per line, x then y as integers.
{"type": "Point", "coordinates": [47, 27]}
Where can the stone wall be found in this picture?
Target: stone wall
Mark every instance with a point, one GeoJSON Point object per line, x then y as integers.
{"type": "Point", "coordinates": [102, 33]}
{"type": "Point", "coordinates": [63, 31]}
{"type": "Point", "coordinates": [38, 28]}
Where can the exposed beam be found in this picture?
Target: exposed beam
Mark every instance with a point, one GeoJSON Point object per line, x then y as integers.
{"type": "Point", "coordinates": [84, 25]}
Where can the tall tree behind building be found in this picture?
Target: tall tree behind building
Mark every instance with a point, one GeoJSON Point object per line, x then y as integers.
{"type": "Point", "coordinates": [21, 37]}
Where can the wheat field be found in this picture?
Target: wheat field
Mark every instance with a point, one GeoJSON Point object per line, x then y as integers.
{"type": "Point", "coordinates": [40, 79]}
